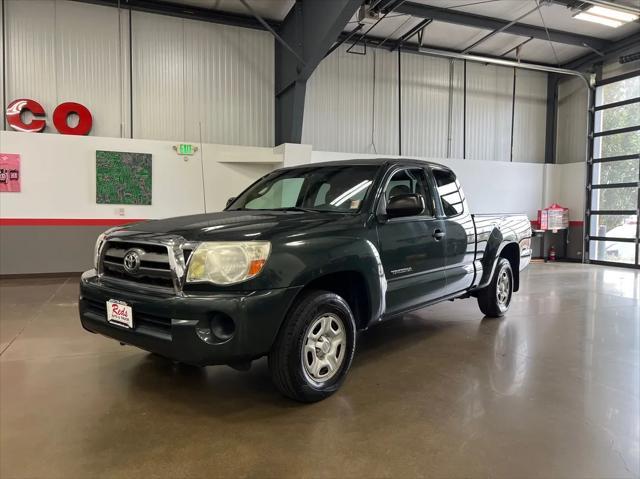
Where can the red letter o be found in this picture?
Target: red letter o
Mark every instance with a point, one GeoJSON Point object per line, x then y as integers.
{"type": "Point", "coordinates": [61, 114]}
{"type": "Point", "coordinates": [15, 109]}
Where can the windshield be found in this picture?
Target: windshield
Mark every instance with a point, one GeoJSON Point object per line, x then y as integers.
{"type": "Point", "coordinates": [325, 188]}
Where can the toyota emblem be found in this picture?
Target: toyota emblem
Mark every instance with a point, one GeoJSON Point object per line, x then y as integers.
{"type": "Point", "coordinates": [132, 261]}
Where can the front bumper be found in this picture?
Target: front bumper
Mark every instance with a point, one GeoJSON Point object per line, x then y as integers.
{"type": "Point", "coordinates": [166, 324]}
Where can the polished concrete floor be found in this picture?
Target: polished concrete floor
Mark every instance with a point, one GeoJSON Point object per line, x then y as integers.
{"type": "Point", "coordinates": [551, 390]}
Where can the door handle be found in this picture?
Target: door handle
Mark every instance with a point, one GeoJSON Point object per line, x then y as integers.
{"type": "Point", "coordinates": [439, 234]}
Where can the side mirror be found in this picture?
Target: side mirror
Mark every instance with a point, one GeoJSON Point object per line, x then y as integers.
{"type": "Point", "coordinates": [229, 201]}
{"type": "Point", "coordinates": [405, 205]}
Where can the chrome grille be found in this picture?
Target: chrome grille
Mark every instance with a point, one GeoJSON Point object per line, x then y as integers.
{"type": "Point", "coordinates": [154, 268]}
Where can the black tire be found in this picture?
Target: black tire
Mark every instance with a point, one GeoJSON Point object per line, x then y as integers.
{"type": "Point", "coordinates": [488, 298]}
{"type": "Point", "coordinates": [286, 360]}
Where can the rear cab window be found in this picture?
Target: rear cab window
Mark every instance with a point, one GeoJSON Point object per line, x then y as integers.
{"type": "Point", "coordinates": [449, 191]}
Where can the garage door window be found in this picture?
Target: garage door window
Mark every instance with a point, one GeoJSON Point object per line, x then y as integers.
{"type": "Point", "coordinates": [613, 235]}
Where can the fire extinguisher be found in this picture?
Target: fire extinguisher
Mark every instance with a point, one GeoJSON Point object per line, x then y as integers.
{"type": "Point", "coordinates": [552, 253]}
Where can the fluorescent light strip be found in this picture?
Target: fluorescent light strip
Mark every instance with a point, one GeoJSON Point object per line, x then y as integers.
{"type": "Point", "coordinates": [598, 19]}
{"type": "Point", "coordinates": [612, 13]}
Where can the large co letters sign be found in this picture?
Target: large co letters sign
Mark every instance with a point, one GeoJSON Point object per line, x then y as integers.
{"type": "Point", "coordinates": [61, 114]}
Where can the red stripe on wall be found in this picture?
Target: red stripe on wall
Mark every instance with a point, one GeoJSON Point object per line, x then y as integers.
{"type": "Point", "coordinates": [67, 221]}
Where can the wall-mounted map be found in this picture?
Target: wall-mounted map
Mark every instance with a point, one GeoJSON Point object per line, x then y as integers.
{"type": "Point", "coordinates": [123, 178]}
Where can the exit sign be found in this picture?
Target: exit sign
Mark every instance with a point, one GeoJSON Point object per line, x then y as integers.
{"type": "Point", "coordinates": [186, 149]}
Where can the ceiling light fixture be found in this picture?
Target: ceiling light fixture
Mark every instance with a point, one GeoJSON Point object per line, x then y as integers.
{"type": "Point", "coordinates": [605, 16]}
{"type": "Point", "coordinates": [612, 13]}
{"type": "Point", "coordinates": [609, 22]}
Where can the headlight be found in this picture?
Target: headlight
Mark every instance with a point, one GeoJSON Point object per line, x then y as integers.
{"type": "Point", "coordinates": [227, 262]}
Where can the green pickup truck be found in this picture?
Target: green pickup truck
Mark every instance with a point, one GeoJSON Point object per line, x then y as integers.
{"type": "Point", "coordinates": [298, 264]}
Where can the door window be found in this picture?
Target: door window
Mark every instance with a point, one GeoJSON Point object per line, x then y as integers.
{"type": "Point", "coordinates": [449, 192]}
{"type": "Point", "coordinates": [405, 182]}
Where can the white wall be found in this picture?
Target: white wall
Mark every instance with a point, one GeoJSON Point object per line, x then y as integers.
{"type": "Point", "coordinates": [189, 77]}
{"type": "Point", "coordinates": [351, 105]}
{"type": "Point", "coordinates": [58, 176]}
{"type": "Point", "coordinates": [565, 184]}
{"type": "Point", "coordinates": [490, 187]}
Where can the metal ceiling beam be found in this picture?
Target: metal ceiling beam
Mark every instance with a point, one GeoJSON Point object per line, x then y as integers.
{"type": "Point", "coordinates": [376, 42]}
{"type": "Point", "coordinates": [415, 30]}
{"type": "Point", "coordinates": [186, 11]}
{"type": "Point", "coordinates": [310, 29]}
{"type": "Point", "coordinates": [499, 30]}
{"type": "Point", "coordinates": [586, 62]}
{"type": "Point", "coordinates": [519, 45]}
{"type": "Point", "coordinates": [489, 23]}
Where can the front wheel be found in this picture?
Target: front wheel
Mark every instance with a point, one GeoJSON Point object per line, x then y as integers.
{"type": "Point", "coordinates": [314, 349]}
{"type": "Point", "coordinates": [494, 300]}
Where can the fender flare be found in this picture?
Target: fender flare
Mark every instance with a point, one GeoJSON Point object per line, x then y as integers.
{"type": "Point", "coordinates": [345, 254]}
{"type": "Point", "coordinates": [496, 243]}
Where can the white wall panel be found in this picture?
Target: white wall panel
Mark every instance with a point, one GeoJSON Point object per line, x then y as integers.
{"type": "Point", "coordinates": [386, 107]}
{"type": "Point", "coordinates": [30, 52]}
{"type": "Point", "coordinates": [425, 105]}
{"type": "Point", "coordinates": [229, 84]}
{"type": "Point", "coordinates": [341, 112]}
{"type": "Point", "coordinates": [572, 121]}
{"type": "Point", "coordinates": [88, 63]}
{"type": "Point", "coordinates": [529, 126]}
{"type": "Point", "coordinates": [158, 76]}
{"type": "Point", "coordinates": [457, 111]}
{"type": "Point", "coordinates": [44, 156]}
{"type": "Point", "coordinates": [339, 108]}
{"type": "Point", "coordinates": [489, 94]}
{"type": "Point", "coordinates": [187, 75]}
{"type": "Point", "coordinates": [65, 51]}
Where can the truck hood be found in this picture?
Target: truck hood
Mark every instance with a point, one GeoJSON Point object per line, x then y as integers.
{"type": "Point", "coordinates": [239, 225]}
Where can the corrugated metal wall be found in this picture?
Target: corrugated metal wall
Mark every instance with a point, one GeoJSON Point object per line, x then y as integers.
{"type": "Point", "coordinates": [489, 94]}
{"type": "Point", "coordinates": [341, 111]}
{"type": "Point", "coordinates": [340, 100]}
{"type": "Point", "coordinates": [530, 118]}
{"type": "Point", "coordinates": [425, 106]}
{"type": "Point", "coordinates": [572, 121]}
{"type": "Point", "coordinates": [187, 75]}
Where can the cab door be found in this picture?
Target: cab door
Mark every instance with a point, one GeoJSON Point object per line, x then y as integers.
{"type": "Point", "coordinates": [460, 244]}
{"type": "Point", "coordinates": [411, 247]}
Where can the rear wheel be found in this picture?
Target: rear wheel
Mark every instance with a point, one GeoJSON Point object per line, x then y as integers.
{"type": "Point", "coordinates": [315, 347]}
{"type": "Point", "coordinates": [494, 300]}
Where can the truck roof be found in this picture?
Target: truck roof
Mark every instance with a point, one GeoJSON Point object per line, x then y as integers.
{"type": "Point", "coordinates": [372, 161]}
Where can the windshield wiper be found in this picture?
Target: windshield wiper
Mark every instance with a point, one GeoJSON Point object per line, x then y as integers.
{"type": "Point", "coordinates": [295, 208]}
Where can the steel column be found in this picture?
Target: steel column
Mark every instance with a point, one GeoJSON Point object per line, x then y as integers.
{"type": "Point", "coordinates": [309, 30]}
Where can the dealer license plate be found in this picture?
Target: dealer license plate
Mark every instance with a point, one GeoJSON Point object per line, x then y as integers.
{"type": "Point", "coordinates": [118, 312]}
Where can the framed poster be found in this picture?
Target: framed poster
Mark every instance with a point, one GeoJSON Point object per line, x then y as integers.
{"type": "Point", "coordinates": [123, 178]}
{"type": "Point", "coordinates": [9, 173]}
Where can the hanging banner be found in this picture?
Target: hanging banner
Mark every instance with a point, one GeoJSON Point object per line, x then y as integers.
{"type": "Point", "coordinates": [9, 173]}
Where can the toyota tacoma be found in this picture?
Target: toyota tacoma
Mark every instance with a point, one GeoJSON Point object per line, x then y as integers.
{"type": "Point", "coordinates": [298, 264]}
